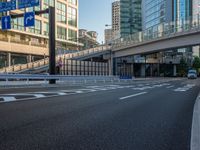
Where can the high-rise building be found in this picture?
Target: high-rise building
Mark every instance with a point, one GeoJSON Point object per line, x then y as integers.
{"type": "Point", "coordinates": [116, 19]}
{"type": "Point", "coordinates": [130, 17]}
{"type": "Point", "coordinates": [182, 10]}
{"type": "Point", "coordinates": [108, 36]}
{"type": "Point", "coordinates": [30, 44]}
{"type": "Point", "coordinates": [156, 12]}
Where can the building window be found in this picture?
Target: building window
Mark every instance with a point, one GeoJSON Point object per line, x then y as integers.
{"type": "Point", "coordinates": [74, 2]}
{"type": "Point", "coordinates": [61, 33]}
{"type": "Point", "coordinates": [46, 29]}
{"type": "Point", "coordinates": [61, 12]}
{"type": "Point", "coordinates": [37, 28]}
{"type": "Point", "coordinates": [46, 5]}
{"type": "Point", "coordinates": [18, 24]}
{"type": "Point", "coordinates": [72, 16]}
{"type": "Point", "coordinates": [72, 35]}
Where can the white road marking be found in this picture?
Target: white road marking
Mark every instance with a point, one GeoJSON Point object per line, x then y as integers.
{"type": "Point", "coordinates": [61, 93]}
{"type": "Point", "coordinates": [39, 95]}
{"type": "Point", "coordinates": [8, 99]}
{"type": "Point", "coordinates": [170, 86]}
{"type": "Point", "coordinates": [185, 88]}
{"type": "Point", "coordinates": [134, 95]}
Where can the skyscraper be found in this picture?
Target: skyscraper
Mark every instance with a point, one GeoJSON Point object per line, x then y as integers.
{"type": "Point", "coordinates": [156, 12]}
{"type": "Point", "coordinates": [182, 10]}
{"type": "Point", "coordinates": [116, 19]}
{"type": "Point", "coordinates": [130, 17]}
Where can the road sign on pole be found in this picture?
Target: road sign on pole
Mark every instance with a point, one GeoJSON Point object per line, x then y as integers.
{"type": "Point", "coordinates": [6, 22]}
{"type": "Point", "coordinates": [7, 6]}
{"type": "Point", "coordinates": [29, 19]}
{"type": "Point", "coordinates": [28, 3]}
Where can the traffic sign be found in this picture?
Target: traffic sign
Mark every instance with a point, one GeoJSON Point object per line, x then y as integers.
{"type": "Point", "coordinates": [29, 19]}
{"type": "Point", "coordinates": [28, 3]}
{"type": "Point", "coordinates": [6, 22]}
{"type": "Point", "coordinates": [7, 6]}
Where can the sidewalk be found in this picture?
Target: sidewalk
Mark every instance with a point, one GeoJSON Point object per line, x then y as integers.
{"type": "Point", "coordinates": [195, 134]}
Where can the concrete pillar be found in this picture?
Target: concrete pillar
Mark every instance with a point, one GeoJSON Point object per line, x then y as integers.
{"type": "Point", "coordinates": [151, 70]}
{"type": "Point", "coordinates": [110, 63]}
{"type": "Point", "coordinates": [8, 61]}
{"type": "Point", "coordinates": [174, 70]}
{"type": "Point", "coordinates": [29, 58]}
{"type": "Point", "coordinates": [158, 69]}
{"type": "Point", "coordinates": [132, 69]}
{"type": "Point", "coordinates": [143, 70]}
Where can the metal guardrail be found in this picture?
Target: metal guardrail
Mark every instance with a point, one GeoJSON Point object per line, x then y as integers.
{"type": "Point", "coordinates": [61, 78]}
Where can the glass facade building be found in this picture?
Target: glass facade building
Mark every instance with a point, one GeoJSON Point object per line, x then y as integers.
{"type": "Point", "coordinates": [130, 17]}
{"type": "Point", "coordinates": [182, 10]}
{"type": "Point", "coordinates": [155, 12]}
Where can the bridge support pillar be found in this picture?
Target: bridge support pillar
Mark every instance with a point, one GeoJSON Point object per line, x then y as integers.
{"type": "Point", "coordinates": [151, 70]}
{"type": "Point", "coordinates": [174, 70]}
{"type": "Point", "coordinates": [29, 58]}
{"type": "Point", "coordinates": [8, 61]}
{"type": "Point", "coordinates": [143, 70]}
{"type": "Point", "coordinates": [110, 63]}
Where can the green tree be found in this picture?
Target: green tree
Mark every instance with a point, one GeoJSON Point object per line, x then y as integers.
{"type": "Point", "coordinates": [196, 63]}
{"type": "Point", "coordinates": [183, 67]}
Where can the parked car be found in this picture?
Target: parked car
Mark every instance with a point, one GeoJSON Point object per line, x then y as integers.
{"type": "Point", "coordinates": [192, 74]}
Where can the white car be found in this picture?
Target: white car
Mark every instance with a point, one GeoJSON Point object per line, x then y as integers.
{"type": "Point", "coordinates": [192, 74]}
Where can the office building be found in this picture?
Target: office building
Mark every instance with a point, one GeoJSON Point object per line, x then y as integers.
{"type": "Point", "coordinates": [108, 36]}
{"type": "Point", "coordinates": [30, 44]}
{"type": "Point", "coordinates": [130, 17]}
{"type": "Point", "coordinates": [116, 19]}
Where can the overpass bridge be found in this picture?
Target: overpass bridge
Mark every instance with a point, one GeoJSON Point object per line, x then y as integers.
{"type": "Point", "coordinates": [168, 36]}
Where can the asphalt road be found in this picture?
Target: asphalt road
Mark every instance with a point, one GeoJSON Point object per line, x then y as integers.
{"type": "Point", "coordinates": [142, 116]}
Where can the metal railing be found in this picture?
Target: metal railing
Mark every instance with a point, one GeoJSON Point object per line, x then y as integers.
{"type": "Point", "coordinates": [164, 30]}
{"type": "Point", "coordinates": [45, 62]}
{"type": "Point", "coordinates": [7, 79]}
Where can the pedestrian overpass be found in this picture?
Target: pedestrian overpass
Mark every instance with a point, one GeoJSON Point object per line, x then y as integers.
{"type": "Point", "coordinates": [169, 36]}
{"type": "Point", "coordinates": [43, 65]}
{"type": "Point", "coordinates": [166, 36]}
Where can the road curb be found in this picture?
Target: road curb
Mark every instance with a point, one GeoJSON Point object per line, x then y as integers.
{"type": "Point", "coordinates": [195, 133]}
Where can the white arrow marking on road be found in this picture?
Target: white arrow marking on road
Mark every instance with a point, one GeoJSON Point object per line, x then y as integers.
{"type": "Point", "coordinates": [138, 94]}
{"type": "Point", "coordinates": [29, 18]}
{"type": "Point", "coordinates": [8, 99]}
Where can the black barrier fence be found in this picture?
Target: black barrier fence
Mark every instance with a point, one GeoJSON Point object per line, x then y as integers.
{"type": "Point", "coordinates": [75, 67]}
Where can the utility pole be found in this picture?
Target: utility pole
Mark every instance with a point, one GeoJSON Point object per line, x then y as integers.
{"type": "Point", "coordinates": [52, 44]}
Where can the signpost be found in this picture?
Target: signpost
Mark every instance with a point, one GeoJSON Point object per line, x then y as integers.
{"type": "Point", "coordinates": [29, 19]}
{"type": "Point", "coordinates": [6, 22]}
{"type": "Point", "coordinates": [7, 6]}
{"type": "Point", "coordinates": [28, 3]}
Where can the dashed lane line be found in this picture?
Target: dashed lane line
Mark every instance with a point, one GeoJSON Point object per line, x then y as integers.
{"type": "Point", "coordinates": [134, 95]}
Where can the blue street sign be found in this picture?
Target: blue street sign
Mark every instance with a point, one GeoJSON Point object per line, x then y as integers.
{"type": "Point", "coordinates": [6, 22]}
{"type": "Point", "coordinates": [28, 3]}
{"type": "Point", "coordinates": [7, 6]}
{"type": "Point", "coordinates": [29, 19]}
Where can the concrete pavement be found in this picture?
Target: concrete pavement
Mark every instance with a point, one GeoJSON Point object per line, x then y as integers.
{"type": "Point", "coordinates": [144, 116]}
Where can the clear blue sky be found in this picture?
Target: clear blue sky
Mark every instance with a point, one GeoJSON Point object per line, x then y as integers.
{"type": "Point", "coordinates": [94, 14]}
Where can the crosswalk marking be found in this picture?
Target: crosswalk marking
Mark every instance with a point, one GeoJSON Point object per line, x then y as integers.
{"type": "Point", "coordinates": [87, 89]}
{"type": "Point", "coordinates": [185, 88]}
